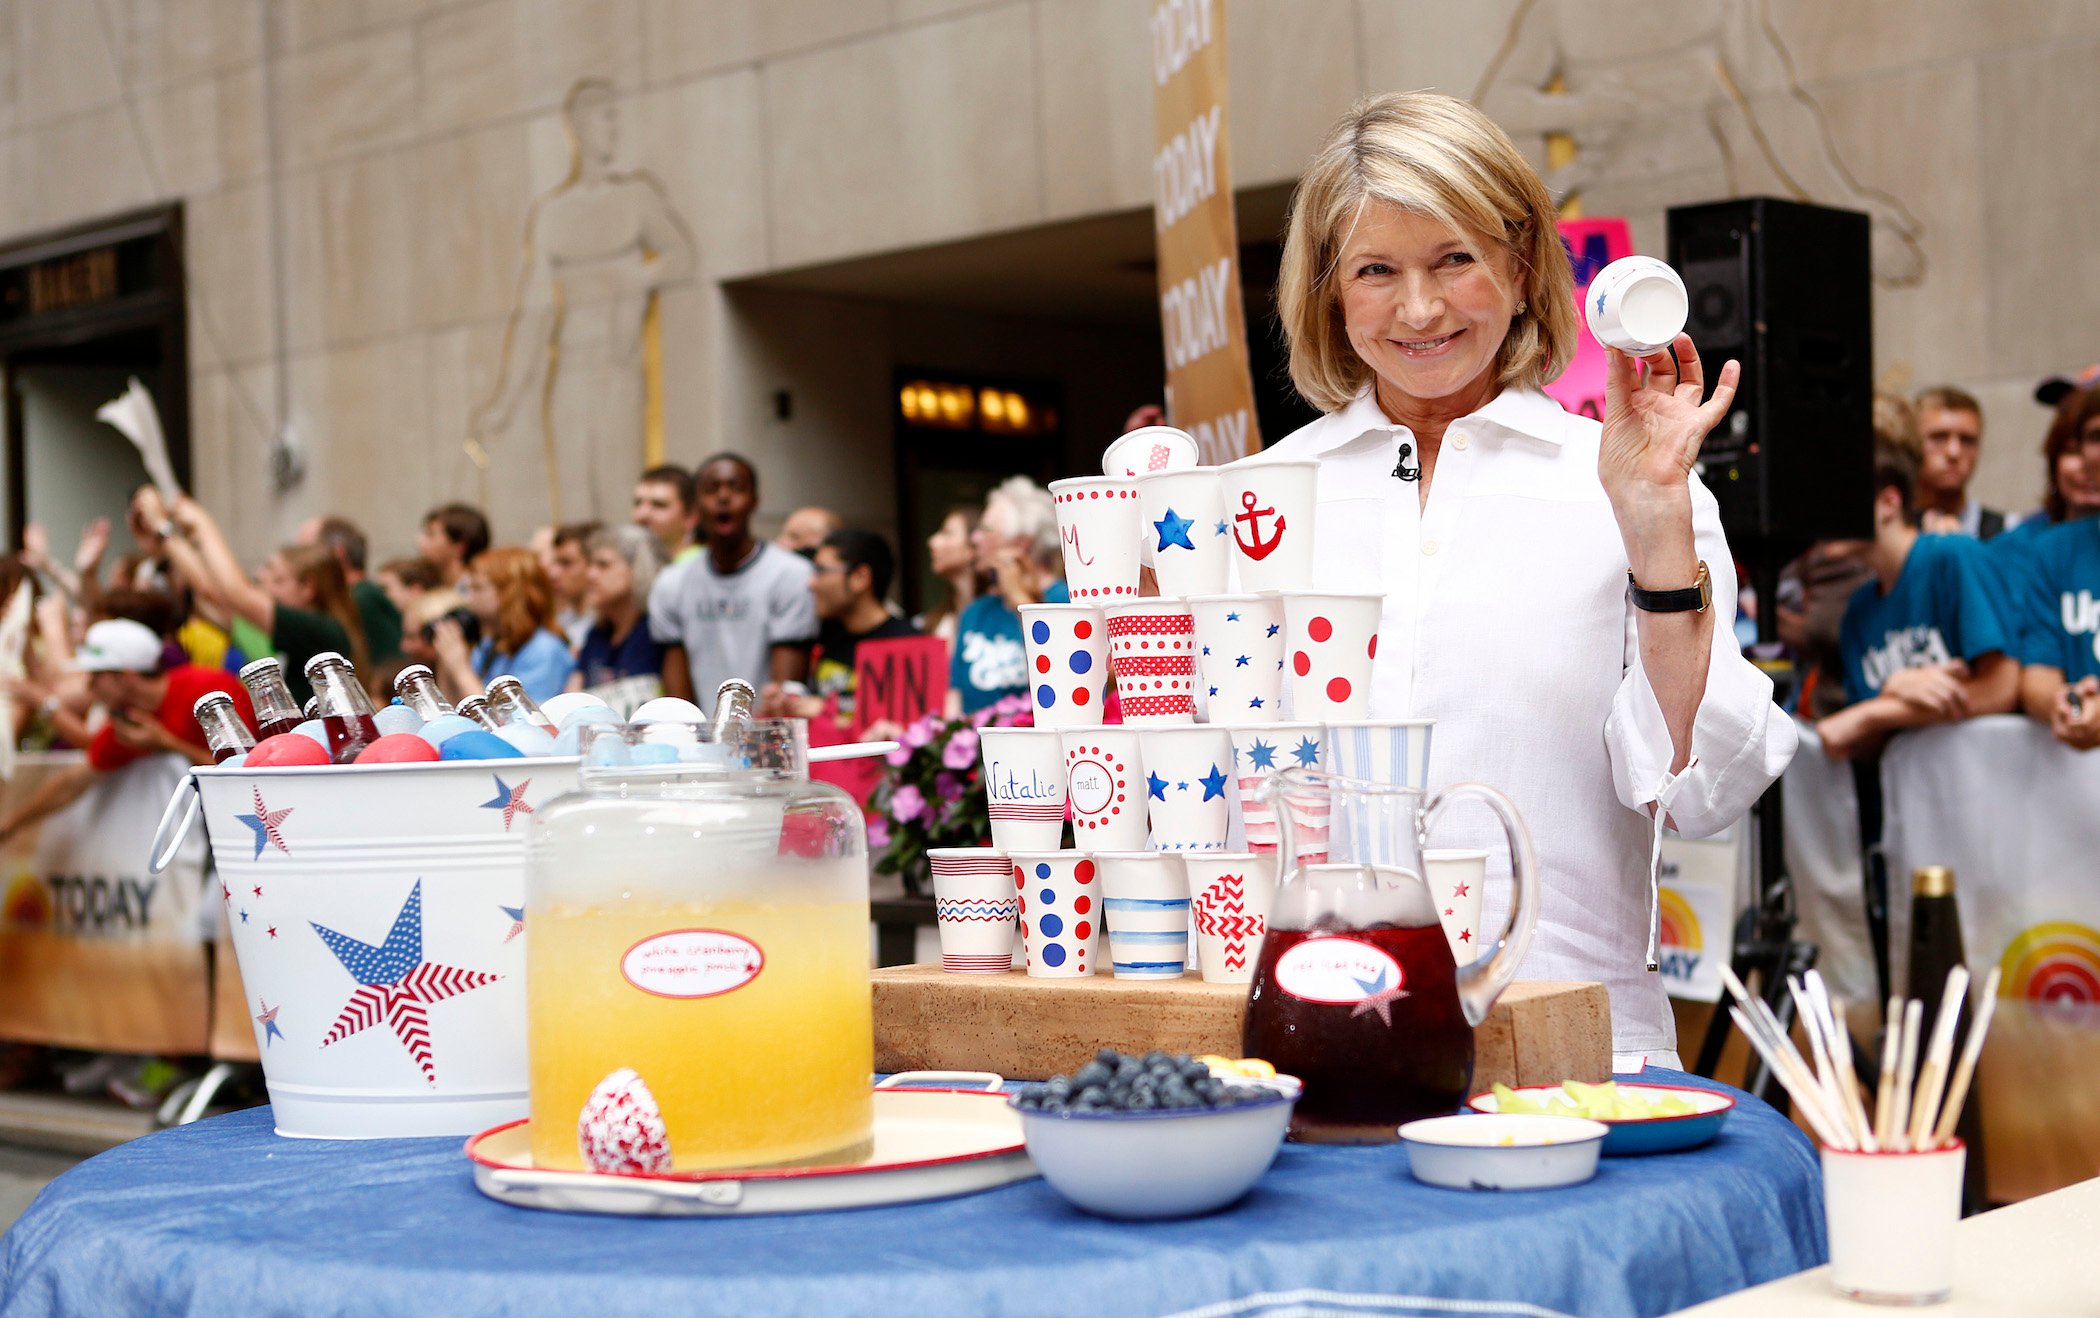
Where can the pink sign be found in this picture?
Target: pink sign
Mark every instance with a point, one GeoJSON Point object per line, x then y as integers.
{"type": "Point", "coordinates": [1592, 245]}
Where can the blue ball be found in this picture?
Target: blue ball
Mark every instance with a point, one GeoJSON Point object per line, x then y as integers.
{"type": "Point", "coordinates": [479, 744]}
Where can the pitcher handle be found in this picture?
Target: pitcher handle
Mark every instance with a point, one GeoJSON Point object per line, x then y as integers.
{"type": "Point", "coordinates": [1480, 983]}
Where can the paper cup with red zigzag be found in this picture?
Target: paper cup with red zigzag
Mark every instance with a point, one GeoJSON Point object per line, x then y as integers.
{"type": "Point", "coordinates": [1067, 663]}
{"type": "Point", "coordinates": [1188, 772]}
{"type": "Point", "coordinates": [1097, 524]}
{"type": "Point", "coordinates": [1182, 525]}
{"type": "Point", "coordinates": [1152, 647]}
{"type": "Point", "coordinates": [1230, 894]}
{"type": "Point", "coordinates": [1239, 653]}
{"type": "Point", "coordinates": [1330, 643]}
{"type": "Point", "coordinates": [975, 903]}
{"type": "Point", "coordinates": [1060, 912]}
{"type": "Point", "coordinates": [1269, 508]}
{"type": "Point", "coordinates": [1106, 773]}
{"type": "Point", "coordinates": [1024, 787]}
{"type": "Point", "coordinates": [1267, 748]}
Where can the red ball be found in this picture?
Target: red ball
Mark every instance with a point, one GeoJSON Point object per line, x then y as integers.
{"type": "Point", "coordinates": [397, 748]}
{"type": "Point", "coordinates": [286, 749]}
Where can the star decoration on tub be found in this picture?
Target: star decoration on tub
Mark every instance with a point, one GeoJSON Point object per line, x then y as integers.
{"type": "Point", "coordinates": [1213, 784]}
{"type": "Point", "coordinates": [266, 822]}
{"type": "Point", "coordinates": [396, 985]}
{"type": "Point", "coordinates": [517, 921]}
{"type": "Point", "coordinates": [268, 1020]}
{"type": "Point", "coordinates": [510, 800]}
{"type": "Point", "coordinates": [1174, 532]}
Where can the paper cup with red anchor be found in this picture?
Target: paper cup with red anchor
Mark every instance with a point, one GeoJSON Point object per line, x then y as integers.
{"type": "Point", "coordinates": [1330, 642]}
{"type": "Point", "coordinates": [1230, 894]}
{"type": "Point", "coordinates": [1067, 647]}
{"type": "Point", "coordinates": [1182, 519]}
{"type": "Point", "coordinates": [1097, 525]}
{"type": "Point", "coordinates": [1152, 647]}
{"type": "Point", "coordinates": [1107, 777]}
{"type": "Point", "coordinates": [1239, 656]}
{"type": "Point", "coordinates": [1269, 509]}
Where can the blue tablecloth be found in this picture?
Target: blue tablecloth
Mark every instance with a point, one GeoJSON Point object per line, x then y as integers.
{"type": "Point", "coordinates": [223, 1217]}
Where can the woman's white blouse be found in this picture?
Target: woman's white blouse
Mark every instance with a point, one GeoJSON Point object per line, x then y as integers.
{"type": "Point", "coordinates": [1506, 620]}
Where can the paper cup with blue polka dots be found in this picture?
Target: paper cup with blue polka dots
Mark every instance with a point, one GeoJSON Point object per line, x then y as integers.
{"type": "Point", "coordinates": [1060, 903]}
{"type": "Point", "coordinates": [1067, 648]}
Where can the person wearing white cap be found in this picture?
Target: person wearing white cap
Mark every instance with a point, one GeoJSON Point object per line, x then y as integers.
{"type": "Point", "coordinates": [149, 712]}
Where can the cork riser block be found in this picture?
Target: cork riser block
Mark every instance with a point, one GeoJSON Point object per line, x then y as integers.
{"type": "Point", "coordinates": [1540, 1032]}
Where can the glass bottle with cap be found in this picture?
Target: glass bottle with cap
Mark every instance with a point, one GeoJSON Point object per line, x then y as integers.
{"type": "Point", "coordinates": [418, 688]}
{"type": "Point", "coordinates": [224, 732]}
{"type": "Point", "coordinates": [509, 704]}
{"type": "Point", "coordinates": [734, 701]}
{"type": "Point", "coordinates": [477, 709]}
{"type": "Point", "coordinates": [1936, 948]}
{"type": "Point", "coordinates": [345, 710]}
{"type": "Point", "coordinates": [276, 712]}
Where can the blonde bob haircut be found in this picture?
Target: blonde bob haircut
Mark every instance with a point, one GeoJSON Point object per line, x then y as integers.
{"type": "Point", "coordinates": [1439, 157]}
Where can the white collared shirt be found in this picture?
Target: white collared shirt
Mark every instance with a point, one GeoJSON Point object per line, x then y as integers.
{"type": "Point", "coordinates": [1506, 620]}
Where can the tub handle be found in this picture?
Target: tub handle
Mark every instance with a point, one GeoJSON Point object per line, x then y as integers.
{"type": "Point", "coordinates": [169, 837]}
{"type": "Point", "coordinates": [991, 1082]}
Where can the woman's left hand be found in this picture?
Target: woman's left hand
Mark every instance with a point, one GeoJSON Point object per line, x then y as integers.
{"type": "Point", "coordinates": [1653, 428]}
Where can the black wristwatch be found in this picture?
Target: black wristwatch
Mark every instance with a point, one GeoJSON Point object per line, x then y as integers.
{"type": "Point", "coordinates": [1692, 599]}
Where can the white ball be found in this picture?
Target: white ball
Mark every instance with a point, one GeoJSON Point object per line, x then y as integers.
{"type": "Point", "coordinates": [557, 708]}
{"type": "Point", "coordinates": [669, 709]}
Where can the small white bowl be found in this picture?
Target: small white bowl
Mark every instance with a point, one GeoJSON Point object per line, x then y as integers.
{"type": "Point", "coordinates": [1498, 1152]}
{"type": "Point", "coordinates": [1160, 1164]}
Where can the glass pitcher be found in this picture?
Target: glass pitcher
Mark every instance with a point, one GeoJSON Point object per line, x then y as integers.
{"type": "Point", "coordinates": [696, 970]}
{"type": "Point", "coordinates": [1356, 992]}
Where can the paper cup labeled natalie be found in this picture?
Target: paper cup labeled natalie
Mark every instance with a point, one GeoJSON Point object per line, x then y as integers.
{"type": "Point", "coordinates": [1391, 751]}
{"type": "Point", "coordinates": [1149, 448]}
{"type": "Point", "coordinates": [1067, 648]}
{"type": "Point", "coordinates": [1097, 524]}
{"type": "Point", "coordinates": [1267, 748]}
{"type": "Point", "coordinates": [1891, 1219]}
{"type": "Point", "coordinates": [1181, 515]}
{"type": "Point", "coordinates": [1329, 643]}
{"type": "Point", "coordinates": [975, 902]}
{"type": "Point", "coordinates": [1636, 304]}
{"type": "Point", "coordinates": [1152, 648]}
{"type": "Point", "coordinates": [1457, 877]}
{"type": "Point", "coordinates": [1024, 787]}
{"type": "Point", "coordinates": [1239, 655]}
{"type": "Point", "coordinates": [1269, 508]}
{"type": "Point", "coordinates": [1059, 902]}
{"type": "Point", "coordinates": [1145, 902]}
{"type": "Point", "coordinates": [1187, 772]}
{"type": "Point", "coordinates": [1230, 894]}
{"type": "Point", "coordinates": [1106, 774]}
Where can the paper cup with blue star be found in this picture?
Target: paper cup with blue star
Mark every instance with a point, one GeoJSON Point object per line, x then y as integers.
{"type": "Point", "coordinates": [1097, 524]}
{"type": "Point", "coordinates": [1239, 655]}
{"type": "Point", "coordinates": [1188, 781]}
{"type": "Point", "coordinates": [1182, 520]}
{"type": "Point", "coordinates": [1268, 748]}
{"type": "Point", "coordinates": [1067, 647]}
{"type": "Point", "coordinates": [1060, 904]}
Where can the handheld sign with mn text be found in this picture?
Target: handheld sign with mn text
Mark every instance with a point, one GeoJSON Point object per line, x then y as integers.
{"type": "Point", "coordinates": [899, 680]}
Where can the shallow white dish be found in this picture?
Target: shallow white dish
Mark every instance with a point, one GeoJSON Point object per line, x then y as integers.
{"type": "Point", "coordinates": [1503, 1152]}
{"type": "Point", "coordinates": [1686, 1130]}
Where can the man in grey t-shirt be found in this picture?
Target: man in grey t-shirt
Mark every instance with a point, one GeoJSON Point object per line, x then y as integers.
{"type": "Point", "coordinates": [741, 609]}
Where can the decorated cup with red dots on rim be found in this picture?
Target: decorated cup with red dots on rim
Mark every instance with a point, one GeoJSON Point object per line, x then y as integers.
{"type": "Point", "coordinates": [1330, 642]}
{"type": "Point", "coordinates": [1067, 647]}
{"type": "Point", "coordinates": [1106, 774]}
{"type": "Point", "coordinates": [1060, 905]}
{"type": "Point", "coordinates": [1098, 529]}
{"type": "Point", "coordinates": [1152, 648]}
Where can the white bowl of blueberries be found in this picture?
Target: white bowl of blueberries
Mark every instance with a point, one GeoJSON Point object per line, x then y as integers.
{"type": "Point", "coordinates": [1158, 1135]}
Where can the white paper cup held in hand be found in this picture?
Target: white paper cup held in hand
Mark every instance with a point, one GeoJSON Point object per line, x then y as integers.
{"type": "Point", "coordinates": [1097, 525]}
{"type": "Point", "coordinates": [1106, 775]}
{"type": "Point", "coordinates": [1024, 787]}
{"type": "Point", "coordinates": [1060, 912]}
{"type": "Point", "coordinates": [974, 901]}
{"type": "Point", "coordinates": [1891, 1219]}
{"type": "Point", "coordinates": [1152, 648]}
{"type": "Point", "coordinates": [1267, 748]}
{"type": "Point", "coordinates": [1269, 508]}
{"type": "Point", "coordinates": [1239, 654]}
{"type": "Point", "coordinates": [1182, 521]}
{"type": "Point", "coordinates": [1330, 642]}
{"type": "Point", "coordinates": [1149, 448]}
{"type": "Point", "coordinates": [1067, 646]}
{"type": "Point", "coordinates": [1636, 304]}
{"type": "Point", "coordinates": [1145, 902]}
{"type": "Point", "coordinates": [1391, 751]}
{"type": "Point", "coordinates": [1456, 879]}
{"type": "Point", "coordinates": [1230, 894]}
{"type": "Point", "coordinates": [1188, 771]}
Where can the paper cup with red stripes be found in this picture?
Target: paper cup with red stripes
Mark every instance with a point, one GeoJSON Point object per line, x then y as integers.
{"type": "Point", "coordinates": [1329, 644]}
{"type": "Point", "coordinates": [1060, 903]}
{"type": "Point", "coordinates": [1230, 894]}
{"type": "Point", "coordinates": [1239, 654]}
{"type": "Point", "coordinates": [1269, 508]}
{"type": "Point", "coordinates": [1097, 523]}
{"type": "Point", "coordinates": [1067, 648]}
{"type": "Point", "coordinates": [1145, 903]}
{"type": "Point", "coordinates": [1024, 787]}
{"type": "Point", "coordinates": [1152, 648]}
{"type": "Point", "coordinates": [1188, 775]}
{"type": "Point", "coordinates": [1267, 748]}
{"type": "Point", "coordinates": [1182, 521]}
{"type": "Point", "coordinates": [1106, 773]}
{"type": "Point", "coordinates": [975, 903]}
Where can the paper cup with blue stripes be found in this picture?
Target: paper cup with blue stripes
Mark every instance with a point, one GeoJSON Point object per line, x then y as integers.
{"type": "Point", "coordinates": [1390, 751]}
{"type": "Point", "coordinates": [974, 899]}
{"type": "Point", "coordinates": [1188, 777]}
{"type": "Point", "coordinates": [1145, 901]}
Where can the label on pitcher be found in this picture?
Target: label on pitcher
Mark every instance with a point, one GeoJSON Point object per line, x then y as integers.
{"type": "Point", "coordinates": [1338, 970]}
{"type": "Point", "coordinates": [692, 963]}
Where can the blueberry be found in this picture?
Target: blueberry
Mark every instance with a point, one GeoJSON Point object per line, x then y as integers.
{"type": "Point", "coordinates": [1093, 1073]}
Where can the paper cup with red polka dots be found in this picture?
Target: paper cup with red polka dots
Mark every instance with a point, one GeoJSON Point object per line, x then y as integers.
{"type": "Point", "coordinates": [1107, 788]}
{"type": "Point", "coordinates": [1098, 526]}
{"type": "Point", "coordinates": [1067, 648]}
{"type": "Point", "coordinates": [1230, 895]}
{"type": "Point", "coordinates": [1060, 903]}
{"type": "Point", "coordinates": [1269, 508]}
{"type": "Point", "coordinates": [1239, 655]}
{"type": "Point", "coordinates": [1152, 648]}
{"type": "Point", "coordinates": [1188, 774]}
{"type": "Point", "coordinates": [1182, 523]}
{"type": "Point", "coordinates": [1329, 643]}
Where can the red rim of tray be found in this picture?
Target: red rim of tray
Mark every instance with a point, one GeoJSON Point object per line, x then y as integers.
{"type": "Point", "coordinates": [1728, 1103]}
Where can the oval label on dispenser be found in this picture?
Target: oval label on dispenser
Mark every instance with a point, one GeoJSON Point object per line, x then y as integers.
{"type": "Point", "coordinates": [692, 963]}
{"type": "Point", "coordinates": [1339, 970]}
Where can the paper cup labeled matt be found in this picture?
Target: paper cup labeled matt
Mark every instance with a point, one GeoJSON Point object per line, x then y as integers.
{"type": "Point", "coordinates": [1067, 648]}
{"type": "Point", "coordinates": [1456, 880]}
{"type": "Point", "coordinates": [1187, 774]}
{"type": "Point", "coordinates": [1106, 774]}
{"type": "Point", "coordinates": [1329, 642]}
{"type": "Point", "coordinates": [1391, 751]}
{"type": "Point", "coordinates": [1149, 448]}
{"type": "Point", "coordinates": [1145, 902]}
{"type": "Point", "coordinates": [1268, 748]}
{"type": "Point", "coordinates": [1060, 916]}
{"type": "Point", "coordinates": [1097, 524]}
{"type": "Point", "coordinates": [1239, 654]}
{"type": "Point", "coordinates": [1891, 1220]}
{"type": "Point", "coordinates": [1636, 304]}
{"type": "Point", "coordinates": [1152, 648]}
{"type": "Point", "coordinates": [1230, 895]}
{"type": "Point", "coordinates": [1182, 519]}
{"type": "Point", "coordinates": [975, 903]}
{"type": "Point", "coordinates": [1024, 787]}
{"type": "Point", "coordinates": [1269, 507]}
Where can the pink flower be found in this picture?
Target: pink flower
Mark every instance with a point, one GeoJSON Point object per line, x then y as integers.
{"type": "Point", "coordinates": [908, 804]}
{"type": "Point", "coordinates": [947, 786]}
{"type": "Point", "coordinates": [961, 751]}
{"type": "Point", "coordinates": [878, 832]}
{"type": "Point", "coordinates": [918, 734]}
{"type": "Point", "coordinates": [899, 758]}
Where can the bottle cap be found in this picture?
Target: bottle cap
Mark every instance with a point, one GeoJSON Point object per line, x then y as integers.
{"type": "Point", "coordinates": [1932, 881]}
{"type": "Point", "coordinates": [325, 657]}
{"type": "Point", "coordinates": [257, 667]}
{"type": "Point", "coordinates": [505, 684]}
{"type": "Point", "coordinates": [208, 699]}
{"type": "Point", "coordinates": [410, 672]}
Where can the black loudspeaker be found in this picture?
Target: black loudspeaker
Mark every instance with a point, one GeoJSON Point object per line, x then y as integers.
{"type": "Point", "coordinates": [1784, 289]}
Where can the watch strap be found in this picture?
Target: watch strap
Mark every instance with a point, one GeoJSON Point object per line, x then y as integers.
{"type": "Point", "coordinates": [1691, 599]}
